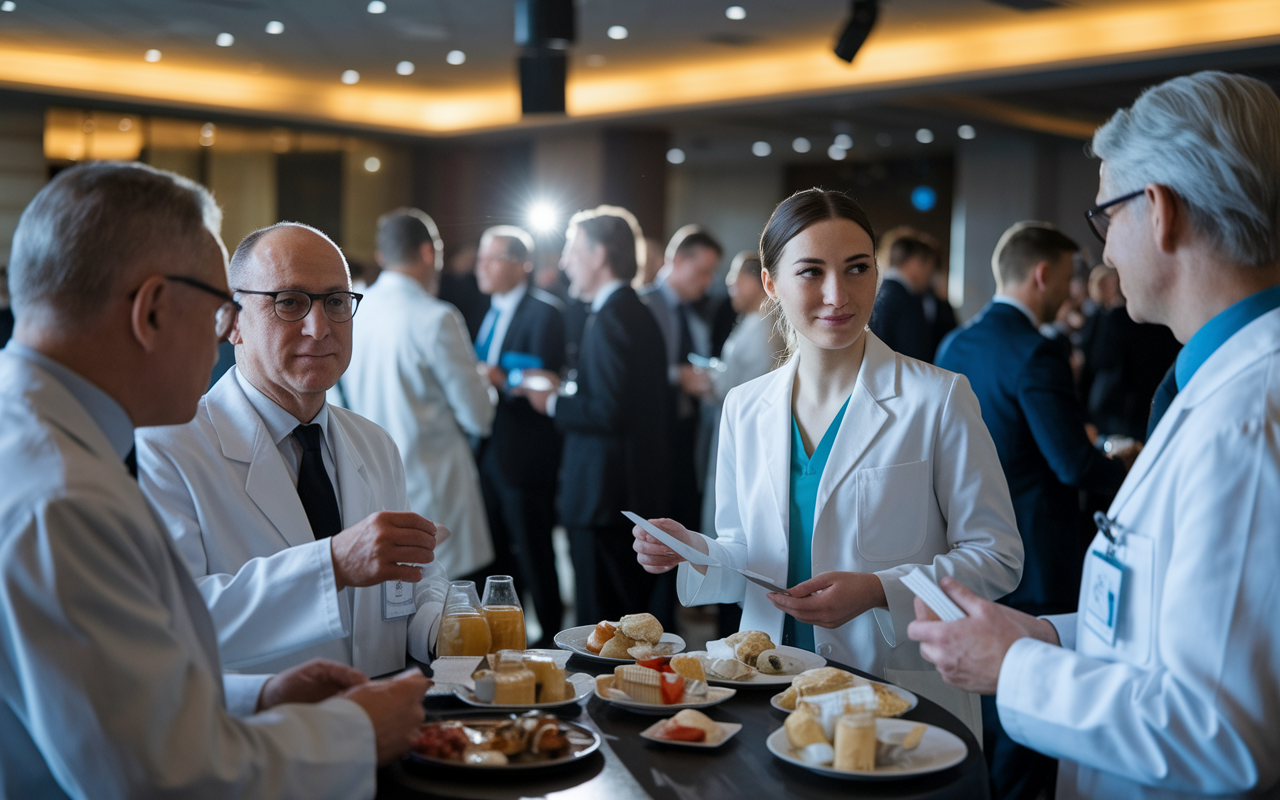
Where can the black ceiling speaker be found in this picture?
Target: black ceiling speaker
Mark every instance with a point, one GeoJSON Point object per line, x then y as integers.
{"type": "Point", "coordinates": [862, 18]}
{"type": "Point", "coordinates": [546, 23]}
{"type": "Point", "coordinates": [542, 76]}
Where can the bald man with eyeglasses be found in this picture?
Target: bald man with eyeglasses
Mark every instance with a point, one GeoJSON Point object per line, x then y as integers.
{"type": "Point", "coordinates": [292, 514]}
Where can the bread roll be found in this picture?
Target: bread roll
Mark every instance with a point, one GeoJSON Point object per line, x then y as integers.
{"type": "Point", "coordinates": [748, 645]}
{"type": "Point", "coordinates": [600, 636]}
{"type": "Point", "coordinates": [641, 627]}
{"type": "Point", "coordinates": [803, 729]}
{"type": "Point", "coordinates": [618, 646]}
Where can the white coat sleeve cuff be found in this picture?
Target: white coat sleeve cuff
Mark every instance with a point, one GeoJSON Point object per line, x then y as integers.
{"type": "Point", "coordinates": [423, 628]}
{"type": "Point", "coordinates": [1065, 625]}
{"type": "Point", "coordinates": [242, 692]}
{"type": "Point", "coordinates": [719, 585]}
{"type": "Point", "coordinates": [901, 607]}
{"type": "Point", "coordinates": [1022, 685]}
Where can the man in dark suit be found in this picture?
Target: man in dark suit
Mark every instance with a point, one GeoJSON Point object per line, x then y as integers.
{"type": "Point", "coordinates": [523, 329]}
{"type": "Point", "coordinates": [612, 411]}
{"type": "Point", "coordinates": [907, 315]}
{"type": "Point", "coordinates": [1024, 386]}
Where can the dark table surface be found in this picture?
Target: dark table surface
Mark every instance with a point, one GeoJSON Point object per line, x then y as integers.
{"type": "Point", "coordinates": [628, 767]}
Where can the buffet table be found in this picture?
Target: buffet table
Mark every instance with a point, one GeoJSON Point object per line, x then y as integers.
{"type": "Point", "coordinates": [627, 767]}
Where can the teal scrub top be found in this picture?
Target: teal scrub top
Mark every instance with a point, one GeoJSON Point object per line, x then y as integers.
{"type": "Point", "coordinates": [806, 474]}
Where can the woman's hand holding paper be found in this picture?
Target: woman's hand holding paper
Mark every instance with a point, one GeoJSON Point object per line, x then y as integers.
{"type": "Point", "coordinates": [655, 556]}
{"type": "Point", "coordinates": [831, 599]}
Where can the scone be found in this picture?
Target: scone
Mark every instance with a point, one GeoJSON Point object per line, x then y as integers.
{"type": "Point", "coordinates": [747, 645]}
{"type": "Point", "coordinates": [618, 646]}
{"type": "Point", "coordinates": [641, 628]}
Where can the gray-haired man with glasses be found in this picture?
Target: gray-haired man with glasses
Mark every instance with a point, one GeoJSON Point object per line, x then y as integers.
{"type": "Point", "coordinates": [291, 513]}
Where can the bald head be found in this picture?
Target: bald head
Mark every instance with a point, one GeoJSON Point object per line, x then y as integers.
{"type": "Point", "coordinates": [268, 247]}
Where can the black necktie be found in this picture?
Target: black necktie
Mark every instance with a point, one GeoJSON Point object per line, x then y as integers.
{"type": "Point", "coordinates": [314, 489]}
{"type": "Point", "coordinates": [131, 462]}
{"type": "Point", "coordinates": [1165, 392]}
{"type": "Point", "coordinates": [686, 335]}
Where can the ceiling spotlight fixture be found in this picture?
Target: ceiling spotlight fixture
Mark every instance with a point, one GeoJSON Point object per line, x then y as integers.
{"type": "Point", "coordinates": [456, 57]}
{"type": "Point", "coordinates": [924, 136]}
{"type": "Point", "coordinates": [616, 32]}
{"type": "Point", "coordinates": [544, 30]}
{"type": "Point", "coordinates": [862, 18]}
{"type": "Point", "coordinates": [966, 132]}
{"type": "Point", "coordinates": [761, 149]}
{"type": "Point", "coordinates": [884, 139]}
{"type": "Point", "coordinates": [350, 76]}
{"type": "Point", "coordinates": [844, 141]}
{"type": "Point", "coordinates": [8, 5]}
{"type": "Point", "coordinates": [675, 156]}
{"type": "Point", "coordinates": [735, 12]}
{"type": "Point", "coordinates": [207, 131]}
{"type": "Point", "coordinates": [224, 40]}
{"type": "Point", "coordinates": [372, 164]}
{"type": "Point", "coordinates": [274, 27]}
{"type": "Point", "coordinates": [151, 55]}
{"type": "Point", "coordinates": [404, 68]}
{"type": "Point", "coordinates": [376, 7]}
{"type": "Point", "coordinates": [800, 144]}
{"type": "Point", "coordinates": [836, 153]}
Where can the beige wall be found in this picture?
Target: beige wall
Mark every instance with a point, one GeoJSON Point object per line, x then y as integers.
{"type": "Point", "coordinates": [367, 195]}
{"type": "Point", "coordinates": [244, 184]}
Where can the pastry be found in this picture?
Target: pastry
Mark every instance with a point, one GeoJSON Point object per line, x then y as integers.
{"type": "Point", "coordinates": [775, 662]}
{"type": "Point", "coordinates": [728, 669]}
{"type": "Point", "coordinates": [600, 636]}
{"type": "Point", "coordinates": [689, 667]}
{"type": "Point", "coordinates": [641, 627]}
{"type": "Point", "coordinates": [641, 684]}
{"type": "Point", "coordinates": [618, 646]}
{"type": "Point", "coordinates": [890, 703]}
{"type": "Point", "coordinates": [747, 645]}
{"type": "Point", "coordinates": [833, 705]}
{"type": "Point", "coordinates": [690, 718]}
{"type": "Point", "coordinates": [816, 681]}
{"type": "Point", "coordinates": [803, 729]}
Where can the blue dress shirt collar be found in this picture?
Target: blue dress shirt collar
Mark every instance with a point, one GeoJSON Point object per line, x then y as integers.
{"type": "Point", "coordinates": [1214, 333]}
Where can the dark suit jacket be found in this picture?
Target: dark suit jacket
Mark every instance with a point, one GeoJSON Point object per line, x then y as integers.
{"type": "Point", "coordinates": [1023, 383]}
{"type": "Point", "coordinates": [898, 319]}
{"type": "Point", "coordinates": [1125, 361]}
{"type": "Point", "coordinates": [614, 427]}
{"type": "Point", "coordinates": [463, 291]}
{"type": "Point", "coordinates": [525, 443]}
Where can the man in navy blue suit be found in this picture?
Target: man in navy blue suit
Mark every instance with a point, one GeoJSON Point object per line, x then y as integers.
{"type": "Point", "coordinates": [1024, 385]}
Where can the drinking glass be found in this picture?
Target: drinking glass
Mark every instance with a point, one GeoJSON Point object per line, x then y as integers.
{"type": "Point", "coordinates": [464, 630]}
{"type": "Point", "coordinates": [505, 614]}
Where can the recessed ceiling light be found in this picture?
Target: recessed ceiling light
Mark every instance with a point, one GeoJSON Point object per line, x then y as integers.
{"type": "Point", "coordinates": [617, 32]}
{"type": "Point", "coordinates": [404, 68]}
{"type": "Point", "coordinates": [800, 144]}
{"type": "Point", "coordinates": [884, 139]}
{"type": "Point", "coordinates": [372, 164]}
{"type": "Point", "coordinates": [350, 76]}
{"type": "Point", "coordinates": [151, 55]}
{"type": "Point", "coordinates": [596, 60]}
{"type": "Point", "coordinates": [761, 149]}
{"type": "Point", "coordinates": [924, 136]}
{"type": "Point", "coordinates": [844, 141]}
{"type": "Point", "coordinates": [225, 40]}
{"type": "Point", "coordinates": [207, 131]}
{"type": "Point", "coordinates": [376, 7]}
{"type": "Point", "coordinates": [456, 57]}
{"type": "Point", "coordinates": [8, 5]}
{"type": "Point", "coordinates": [966, 132]}
{"type": "Point", "coordinates": [125, 124]}
{"type": "Point", "coordinates": [675, 156]}
{"type": "Point", "coordinates": [735, 12]}
{"type": "Point", "coordinates": [836, 153]}
{"type": "Point", "coordinates": [274, 27]}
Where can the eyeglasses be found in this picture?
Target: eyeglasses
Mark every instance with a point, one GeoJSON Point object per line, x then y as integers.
{"type": "Point", "coordinates": [1099, 222]}
{"type": "Point", "coordinates": [226, 315]}
{"type": "Point", "coordinates": [292, 305]}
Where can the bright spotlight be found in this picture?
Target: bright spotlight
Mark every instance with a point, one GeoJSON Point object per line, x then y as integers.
{"type": "Point", "coordinates": [924, 136]}
{"type": "Point", "coordinates": [675, 156]}
{"type": "Point", "coordinates": [543, 216]}
{"type": "Point", "coordinates": [152, 56]}
{"type": "Point", "coordinates": [372, 164]}
{"type": "Point", "coordinates": [275, 27]}
{"type": "Point", "coordinates": [456, 57]}
{"type": "Point", "coordinates": [966, 132]}
{"type": "Point", "coordinates": [350, 76]}
{"type": "Point", "coordinates": [376, 7]}
{"type": "Point", "coordinates": [404, 68]}
{"type": "Point", "coordinates": [224, 40]}
{"type": "Point", "coordinates": [735, 12]}
{"type": "Point", "coordinates": [800, 144]}
{"type": "Point", "coordinates": [8, 5]}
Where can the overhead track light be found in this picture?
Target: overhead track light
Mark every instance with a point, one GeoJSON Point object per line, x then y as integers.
{"type": "Point", "coordinates": [544, 30]}
{"type": "Point", "coordinates": [862, 18]}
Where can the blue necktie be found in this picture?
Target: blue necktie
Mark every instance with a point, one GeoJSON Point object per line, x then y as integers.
{"type": "Point", "coordinates": [488, 326]}
{"type": "Point", "coordinates": [1165, 392]}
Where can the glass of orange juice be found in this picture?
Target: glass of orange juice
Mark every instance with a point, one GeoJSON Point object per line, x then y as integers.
{"type": "Point", "coordinates": [505, 614]}
{"type": "Point", "coordinates": [464, 630]}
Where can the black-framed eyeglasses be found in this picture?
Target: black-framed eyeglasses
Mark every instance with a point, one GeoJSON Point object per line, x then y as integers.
{"type": "Point", "coordinates": [226, 314]}
{"type": "Point", "coordinates": [292, 305]}
{"type": "Point", "coordinates": [1099, 221]}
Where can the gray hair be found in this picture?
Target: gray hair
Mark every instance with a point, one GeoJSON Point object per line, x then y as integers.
{"type": "Point", "coordinates": [1214, 139]}
{"type": "Point", "coordinates": [519, 242]}
{"type": "Point", "coordinates": [81, 239]}
{"type": "Point", "coordinates": [240, 266]}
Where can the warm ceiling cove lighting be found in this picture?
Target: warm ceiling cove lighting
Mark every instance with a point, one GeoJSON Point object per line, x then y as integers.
{"type": "Point", "coordinates": [800, 144]}
{"type": "Point", "coordinates": [224, 40]}
{"type": "Point", "coordinates": [596, 60]}
{"type": "Point", "coordinates": [675, 156]}
{"type": "Point", "coordinates": [616, 32]}
{"type": "Point", "coordinates": [761, 149]}
{"type": "Point", "coordinates": [274, 27]}
{"type": "Point", "coordinates": [372, 164]}
{"type": "Point", "coordinates": [966, 132]}
{"type": "Point", "coordinates": [350, 76]}
{"type": "Point", "coordinates": [151, 55]}
{"type": "Point", "coordinates": [735, 12]}
{"type": "Point", "coordinates": [404, 68]}
{"type": "Point", "coordinates": [456, 57]}
{"type": "Point", "coordinates": [376, 7]}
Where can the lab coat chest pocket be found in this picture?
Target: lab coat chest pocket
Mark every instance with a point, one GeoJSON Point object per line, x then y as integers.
{"type": "Point", "coordinates": [1137, 605]}
{"type": "Point", "coordinates": [892, 510]}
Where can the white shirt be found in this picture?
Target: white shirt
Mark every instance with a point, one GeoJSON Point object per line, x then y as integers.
{"type": "Point", "coordinates": [502, 307]}
{"type": "Point", "coordinates": [280, 425]}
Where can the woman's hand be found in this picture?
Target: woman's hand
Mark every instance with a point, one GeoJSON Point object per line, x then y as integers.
{"type": "Point", "coordinates": [655, 556]}
{"type": "Point", "coordinates": [831, 599]}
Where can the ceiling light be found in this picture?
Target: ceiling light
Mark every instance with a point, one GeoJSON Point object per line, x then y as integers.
{"type": "Point", "coordinates": [735, 12]}
{"type": "Point", "coordinates": [8, 5]}
{"type": "Point", "coordinates": [884, 139]}
{"type": "Point", "coordinates": [206, 134]}
{"type": "Point", "coordinates": [543, 216]}
{"type": "Point", "coordinates": [404, 68]}
{"type": "Point", "coordinates": [274, 27]}
{"type": "Point", "coordinates": [376, 7]}
{"type": "Point", "coordinates": [800, 144]}
{"type": "Point", "coordinates": [924, 198]}
{"type": "Point", "coordinates": [225, 40]}
{"type": "Point", "coordinates": [151, 55]}
{"type": "Point", "coordinates": [862, 18]}
{"type": "Point", "coordinates": [761, 149]}
{"type": "Point", "coordinates": [844, 141]}
{"type": "Point", "coordinates": [350, 76]}
{"type": "Point", "coordinates": [372, 164]}
{"type": "Point", "coordinates": [456, 57]}
{"type": "Point", "coordinates": [125, 124]}
{"type": "Point", "coordinates": [675, 156]}
{"type": "Point", "coordinates": [617, 32]}
{"type": "Point", "coordinates": [836, 153]}
{"type": "Point", "coordinates": [966, 132]}
{"type": "Point", "coordinates": [924, 136]}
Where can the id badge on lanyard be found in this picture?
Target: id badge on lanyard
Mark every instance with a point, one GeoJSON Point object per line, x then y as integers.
{"type": "Point", "coordinates": [1105, 590]}
{"type": "Point", "coordinates": [397, 599]}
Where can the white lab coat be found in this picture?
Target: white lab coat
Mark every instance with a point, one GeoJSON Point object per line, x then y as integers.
{"type": "Point", "coordinates": [413, 371]}
{"type": "Point", "coordinates": [222, 489]}
{"type": "Point", "coordinates": [110, 682]}
{"type": "Point", "coordinates": [1187, 702]}
{"type": "Point", "coordinates": [912, 479]}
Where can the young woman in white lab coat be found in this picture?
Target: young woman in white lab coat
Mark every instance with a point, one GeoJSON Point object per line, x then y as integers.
{"type": "Point", "coordinates": [845, 469]}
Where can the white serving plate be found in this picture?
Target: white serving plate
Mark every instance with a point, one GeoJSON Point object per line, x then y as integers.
{"type": "Point", "coordinates": [911, 699]}
{"type": "Point", "coordinates": [583, 686]}
{"type": "Point", "coordinates": [575, 641]}
{"type": "Point", "coordinates": [939, 749]}
{"type": "Point", "coordinates": [727, 732]}
{"type": "Point", "coordinates": [715, 696]}
{"type": "Point", "coordinates": [807, 659]}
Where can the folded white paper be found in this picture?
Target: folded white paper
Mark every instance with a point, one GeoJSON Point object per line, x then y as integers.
{"type": "Point", "coordinates": [455, 670]}
{"type": "Point", "coordinates": [932, 595]}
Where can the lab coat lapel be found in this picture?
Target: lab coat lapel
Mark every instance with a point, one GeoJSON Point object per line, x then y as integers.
{"type": "Point", "coordinates": [353, 483]}
{"type": "Point", "coordinates": [773, 437]}
{"type": "Point", "coordinates": [863, 419]}
{"type": "Point", "coordinates": [243, 437]}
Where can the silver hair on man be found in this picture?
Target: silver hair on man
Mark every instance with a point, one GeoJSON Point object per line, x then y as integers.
{"type": "Point", "coordinates": [1214, 139]}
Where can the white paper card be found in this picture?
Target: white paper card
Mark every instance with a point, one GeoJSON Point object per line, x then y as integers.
{"type": "Point", "coordinates": [455, 670]}
{"type": "Point", "coordinates": [693, 556]}
{"type": "Point", "coordinates": [933, 597]}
